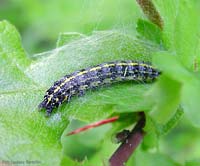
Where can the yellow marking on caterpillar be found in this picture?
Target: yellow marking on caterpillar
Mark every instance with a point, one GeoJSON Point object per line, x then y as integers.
{"type": "Point", "coordinates": [134, 64]}
{"type": "Point", "coordinates": [99, 67]}
{"type": "Point", "coordinates": [63, 83]}
{"type": "Point", "coordinates": [49, 98]}
{"type": "Point", "coordinates": [57, 89]}
{"type": "Point", "coordinates": [66, 97]}
{"type": "Point", "coordinates": [95, 68]}
{"type": "Point", "coordinates": [109, 65]}
{"type": "Point", "coordinates": [68, 79]}
{"type": "Point", "coordinates": [81, 73]}
{"type": "Point", "coordinates": [126, 64]}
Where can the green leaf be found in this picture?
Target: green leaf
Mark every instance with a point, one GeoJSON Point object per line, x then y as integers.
{"type": "Point", "coordinates": [149, 31]}
{"type": "Point", "coordinates": [155, 130]}
{"type": "Point", "coordinates": [67, 161]}
{"type": "Point", "coordinates": [150, 140]}
{"type": "Point", "coordinates": [141, 158]}
{"type": "Point", "coordinates": [189, 82]}
{"type": "Point", "coordinates": [186, 33]}
{"type": "Point", "coordinates": [178, 140]}
{"type": "Point", "coordinates": [165, 91]}
{"type": "Point", "coordinates": [172, 122]}
{"type": "Point", "coordinates": [192, 163]}
{"type": "Point", "coordinates": [169, 64]}
{"type": "Point", "coordinates": [92, 50]}
{"type": "Point", "coordinates": [65, 38]}
{"type": "Point", "coordinates": [94, 145]}
{"type": "Point", "coordinates": [89, 51]}
{"type": "Point", "coordinates": [106, 149]}
{"type": "Point", "coordinates": [10, 46]}
{"type": "Point", "coordinates": [84, 145]}
{"type": "Point", "coordinates": [190, 101]}
{"type": "Point", "coordinates": [27, 134]}
{"type": "Point", "coordinates": [181, 28]}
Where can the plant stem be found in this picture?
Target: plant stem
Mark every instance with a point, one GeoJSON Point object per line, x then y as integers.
{"type": "Point", "coordinates": [122, 154]}
{"type": "Point", "coordinates": [151, 12]}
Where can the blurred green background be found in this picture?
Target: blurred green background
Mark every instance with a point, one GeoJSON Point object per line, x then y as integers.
{"type": "Point", "coordinates": [40, 22]}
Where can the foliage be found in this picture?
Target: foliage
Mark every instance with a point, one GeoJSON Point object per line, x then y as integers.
{"type": "Point", "coordinates": [34, 18]}
{"type": "Point", "coordinates": [28, 135]}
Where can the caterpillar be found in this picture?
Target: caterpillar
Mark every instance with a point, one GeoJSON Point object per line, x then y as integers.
{"type": "Point", "coordinates": [91, 78]}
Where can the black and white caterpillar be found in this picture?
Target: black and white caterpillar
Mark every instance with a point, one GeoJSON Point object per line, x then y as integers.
{"type": "Point", "coordinates": [91, 78]}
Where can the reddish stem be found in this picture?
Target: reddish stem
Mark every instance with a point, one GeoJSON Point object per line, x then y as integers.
{"type": "Point", "coordinates": [122, 154]}
{"type": "Point", "coordinates": [96, 124]}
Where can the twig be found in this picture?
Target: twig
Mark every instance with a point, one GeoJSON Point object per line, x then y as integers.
{"type": "Point", "coordinates": [122, 154]}
{"type": "Point", "coordinates": [151, 12]}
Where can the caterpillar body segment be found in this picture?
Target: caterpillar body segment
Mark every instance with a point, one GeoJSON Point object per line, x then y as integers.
{"type": "Point", "coordinates": [79, 82]}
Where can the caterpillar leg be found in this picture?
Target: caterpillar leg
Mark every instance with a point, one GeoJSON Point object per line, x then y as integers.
{"type": "Point", "coordinates": [41, 106]}
{"type": "Point", "coordinates": [81, 93]}
{"type": "Point", "coordinates": [48, 112]}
